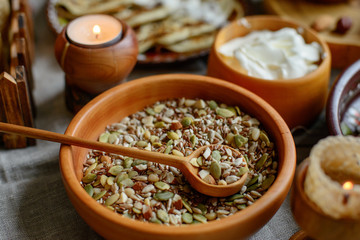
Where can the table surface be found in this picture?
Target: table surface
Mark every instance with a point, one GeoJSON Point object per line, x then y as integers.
{"type": "Point", "coordinates": [33, 201]}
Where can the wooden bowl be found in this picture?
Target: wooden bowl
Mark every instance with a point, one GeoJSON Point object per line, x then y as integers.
{"type": "Point", "coordinates": [344, 92]}
{"type": "Point", "coordinates": [127, 98]}
{"type": "Point", "coordinates": [299, 100]}
{"type": "Point", "coordinates": [312, 220]}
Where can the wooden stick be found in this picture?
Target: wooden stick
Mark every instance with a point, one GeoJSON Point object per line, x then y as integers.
{"type": "Point", "coordinates": [12, 109]}
{"type": "Point", "coordinates": [25, 100]}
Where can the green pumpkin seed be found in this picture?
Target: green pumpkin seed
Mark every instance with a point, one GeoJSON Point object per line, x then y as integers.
{"type": "Point", "coordinates": [88, 178]}
{"type": "Point", "coordinates": [255, 133]}
{"type": "Point", "coordinates": [199, 217]}
{"type": "Point", "coordinates": [154, 138]}
{"type": "Point", "coordinates": [177, 153]}
{"type": "Point", "coordinates": [172, 135]}
{"type": "Point", "coordinates": [230, 138]}
{"type": "Point", "coordinates": [168, 149]}
{"type": "Point", "coordinates": [160, 124]}
{"type": "Point", "coordinates": [163, 216]}
{"type": "Point", "coordinates": [163, 196]}
{"type": "Point", "coordinates": [155, 220]}
{"type": "Point", "coordinates": [240, 140]}
{"type": "Point", "coordinates": [253, 180]}
{"type": "Point", "coordinates": [110, 181]}
{"type": "Point", "coordinates": [212, 104]}
{"type": "Point", "coordinates": [241, 206]}
{"type": "Point", "coordinates": [267, 182]}
{"type": "Point", "coordinates": [104, 137]}
{"type": "Point", "coordinates": [141, 144]}
{"type": "Point", "coordinates": [202, 207]}
{"type": "Point", "coordinates": [235, 196]}
{"type": "Point", "coordinates": [187, 218]}
{"type": "Point", "coordinates": [112, 138]}
{"type": "Point", "coordinates": [242, 171]}
{"type": "Point", "coordinates": [194, 162]}
{"type": "Point", "coordinates": [128, 162]}
{"type": "Point", "coordinates": [132, 174]}
{"type": "Point", "coordinates": [90, 168]}
{"type": "Point", "coordinates": [187, 206]}
{"type": "Point", "coordinates": [229, 203]}
{"type": "Point", "coordinates": [157, 144]}
{"type": "Point", "coordinates": [112, 199]}
{"type": "Point", "coordinates": [115, 170]}
{"type": "Point", "coordinates": [264, 138]}
{"type": "Point", "coordinates": [261, 161]}
{"type": "Point", "coordinates": [121, 177]}
{"type": "Point", "coordinates": [253, 187]}
{"type": "Point", "coordinates": [127, 183]}
{"type": "Point", "coordinates": [238, 110]}
{"type": "Point", "coordinates": [187, 121]}
{"type": "Point", "coordinates": [158, 108]}
{"type": "Point", "coordinates": [202, 113]}
{"type": "Point", "coordinates": [232, 109]}
{"type": "Point", "coordinates": [138, 162]}
{"type": "Point", "coordinates": [103, 179]}
{"type": "Point", "coordinates": [199, 161]}
{"type": "Point", "coordinates": [150, 111]}
{"type": "Point", "coordinates": [210, 216]}
{"type": "Point", "coordinates": [200, 104]}
{"type": "Point", "coordinates": [216, 155]}
{"type": "Point", "coordinates": [89, 189]}
{"type": "Point", "coordinates": [162, 185]}
{"type": "Point", "coordinates": [215, 169]}
{"type": "Point", "coordinates": [224, 112]}
{"type": "Point", "coordinates": [99, 195]}
{"type": "Point", "coordinates": [194, 140]}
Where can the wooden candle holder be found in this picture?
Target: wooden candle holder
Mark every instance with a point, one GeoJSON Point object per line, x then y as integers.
{"type": "Point", "coordinates": [91, 70]}
{"type": "Point", "coordinates": [314, 223]}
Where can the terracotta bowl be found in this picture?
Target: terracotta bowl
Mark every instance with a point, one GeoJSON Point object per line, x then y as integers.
{"type": "Point", "coordinates": [125, 99]}
{"type": "Point", "coordinates": [299, 100]}
{"type": "Point", "coordinates": [344, 93]}
{"type": "Point", "coordinates": [314, 222]}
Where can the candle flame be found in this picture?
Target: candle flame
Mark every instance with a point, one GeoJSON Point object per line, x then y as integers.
{"type": "Point", "coordinates": [96, 30]}
{"type": "Point", "coordinates": [348, 185]}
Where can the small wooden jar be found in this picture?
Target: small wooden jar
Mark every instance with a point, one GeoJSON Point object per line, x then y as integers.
{"type": "Point", "coordinates": [90, 70]}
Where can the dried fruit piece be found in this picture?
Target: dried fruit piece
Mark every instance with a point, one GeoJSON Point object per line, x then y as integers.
{"type": "Point", "coordinates": [343, 25]}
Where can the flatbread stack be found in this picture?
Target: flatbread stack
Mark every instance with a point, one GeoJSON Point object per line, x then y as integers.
{"type": "Point", "coordinates": [333, 161]}
{"type": "Point", "coordinates": [179, 26]}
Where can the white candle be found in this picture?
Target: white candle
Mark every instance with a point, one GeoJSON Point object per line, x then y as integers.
{"type": "Point", "coordinates": [96, 30]}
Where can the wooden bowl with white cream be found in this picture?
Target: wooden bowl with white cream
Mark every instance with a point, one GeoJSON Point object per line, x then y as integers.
{"type": "Point", "coordinates": [290, 68]}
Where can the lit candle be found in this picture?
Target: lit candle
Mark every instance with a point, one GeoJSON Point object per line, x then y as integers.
{"type": "Point", "coordinates": [347, 186]}
{"type": "Point", "coordinates": [94, 31]}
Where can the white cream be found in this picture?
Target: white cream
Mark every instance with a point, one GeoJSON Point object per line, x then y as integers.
{"type": "Point", "coordinates": [208, 11]}
{"type": "Point", "coordinates": [282, 54]}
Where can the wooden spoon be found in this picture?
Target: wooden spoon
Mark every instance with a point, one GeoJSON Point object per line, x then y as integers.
{"type": "Point", "coordinates": [182, 163]}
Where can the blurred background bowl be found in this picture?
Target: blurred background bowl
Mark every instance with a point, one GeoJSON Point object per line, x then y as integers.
{"type": "Point", "coordinates": [343, 105]}
{"type": "Point", "coordinates": [128, 98]}
{"type": "Point", "coordinates": [299, 101]}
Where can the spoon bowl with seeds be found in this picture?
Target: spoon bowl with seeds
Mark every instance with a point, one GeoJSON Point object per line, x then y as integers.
{"type": "Point", "coordinates": [214, 170]}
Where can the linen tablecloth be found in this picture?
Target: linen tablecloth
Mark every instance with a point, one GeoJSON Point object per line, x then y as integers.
{"type": "Point", "coordinates": [33, 201]}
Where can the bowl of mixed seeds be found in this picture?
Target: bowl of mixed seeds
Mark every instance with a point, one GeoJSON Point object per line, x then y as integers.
{"type": "Point", "coordinates": [128, 198]}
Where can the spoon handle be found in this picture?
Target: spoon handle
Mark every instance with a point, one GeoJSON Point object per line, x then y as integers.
{"type": "Point", "coordinates": [172, 160]}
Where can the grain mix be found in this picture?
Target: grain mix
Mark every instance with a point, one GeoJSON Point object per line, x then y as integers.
{"type": "Point", "coordinates": [158, 193]}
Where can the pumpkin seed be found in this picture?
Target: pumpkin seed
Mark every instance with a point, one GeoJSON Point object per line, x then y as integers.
{"type": "Point", "coordinates": [241, 206]}
{"type": "Point", "coordinates": [187, 121]}
{"type": "Point", "coordinates": [112, 199]}
{"type": "Point", "coordinates": [216, 155]}
{"type": "Point", "coordinates": [193, 140]}
{"type": "Point", "coordinates": [162, 185]}
{"type": "Point", "coordinates": [215, 170]}
{"type": "Point", "coordinates": [160, 124]}
{"type": "Point", "coordinates": [202, 207]}
{"type": "Point", "coordinates": [238, 110]}
{"type": "Point", "coordinates": [177, 153]}
{"type": "Point", "coordinates": [141, 144]}
{"type": "Point", "coordinates": [104, 137]}
{"type": "Point", "coordinates": [194, 162]}
{"type": "Point", "coordinates": [112, 138]}
{"type": "Point", "coordinates": [199, 217]}
{"type": "Point", "coordinates": [138, 162]}
{"type": "Point", "coordinates": [163, 196]}
{"type": "Point", "coordinates": [172, 135]}
{"type": "Point", "coordinates": [200, 104]}
{"type": "Point", "coordinates": [115, 170]}
{"type": "Point", "coordinates": [187, 218]}
{"type": "Point", "coordinates": [224, 112]}
{"type": "Point", "coordinates": [253, 187]}
{"type": "Point", "coordinates": [88, 178]}
{"type": "Point", "coordinates": [110, 181]}
{"type": "Point", "coordinates": [229, 138]}
{"type": "Point", "coordinates": [155, 220]}
{"type": "Point", "coordinates": [128, 162]}
{"type": "Point", "coordinates": [187, 206]}
{"type": "Point", "coordinates": [235, 196]}
{"type": "Point", "coordinates": [261, 161]}
{"type": "Point", "coordinates": [240, 140]}
{"type": "Point", "coordinates": [264, 138]}
{"type": "Point", "coordinates": [199, 161]}
{"type": "Point", "coordinates": [137, 211]}
{"type": "Point", "coordinates": [99, 195]}
{"type": "Point", "coordinates": [212, 104]}
{"type": "Point", "coordinates": [90, 168]}
{"type": "Point", "coordinates": [255, 133]}
{"type": "Point", "coordinates": [242, 171]}
{"type": "Point", "coordinates": [127, 182]}
{"type": "Point", "coordinates": [168, 149]}
{"type": "Point", "coordinates": [157, 144]}
{"type": "Point", "coordinates": [202, 113]}
{"type": "Point", "coordinates": [154, 138]}
{"type": "Point", "coordinates": [150, 111]}
{"type": "Point", "coordinates": [163, 216]}
{"type": "Point", "coordinates": [232, 109]}
{"type": "Point", "coordinates": [253, 180]}
{"type": "Point", "coordinates": [158, 108]}
{"type": "Point", "coordinates": [103, 179]}
{"type": "Point", "coordinates": [89, 189]}
{"type": "Point", "coordinates": [267, 182]}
